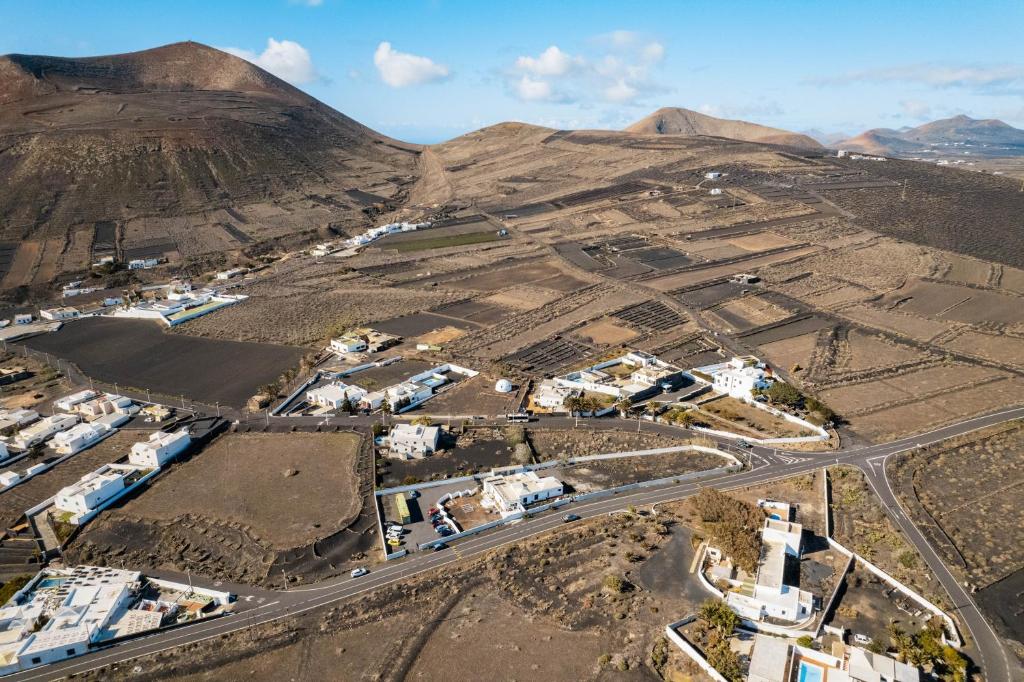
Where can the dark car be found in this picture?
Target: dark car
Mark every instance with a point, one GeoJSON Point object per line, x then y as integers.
{"type": "Point", "coordinates": [569, 518]}
{"type": "Point", "coordinates": [439, 546]}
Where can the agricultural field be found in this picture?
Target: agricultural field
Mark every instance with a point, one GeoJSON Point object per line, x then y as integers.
{"type": "Point", "coordinates": [140, 354]}
{"type": "Point", "coordinates": [251, 496]}
{"type": "Point", "coordinates": [978, 532]}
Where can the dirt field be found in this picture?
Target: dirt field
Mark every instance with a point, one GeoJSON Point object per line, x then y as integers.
{"type": "Point", "coordinates": [577, 443]}
{"type": "Point", "coordinates": [606, 332]}
{"type": "Point", "coordinates": [544, 601]}
{"type": "Point", "coordinates": [860, 524]}
{"type": "Point", "coordinates": [250, 497]}
{"type": "Point", "coordinates": [139, 354]}
{"type": "Point", "coordinates": [979, 529]}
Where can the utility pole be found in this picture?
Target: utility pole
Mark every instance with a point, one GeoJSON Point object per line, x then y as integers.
{"type": "Point", "coordinates": [183, 401]}
{"type": "Point", "coordinates": [903, 194]}
{"type": "Point", "coordinates": [218, 408]}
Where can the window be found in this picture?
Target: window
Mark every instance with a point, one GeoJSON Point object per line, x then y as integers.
{"type": "Point", "coordinates": [36, 660]}
{"type": "Point", "coordinates": [70, 652]}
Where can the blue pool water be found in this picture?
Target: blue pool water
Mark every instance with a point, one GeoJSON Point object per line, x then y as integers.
{"type": "Point", "coordinates": [50, 582]}
{"type": "Point", "coordinates": [810, 673]}
{"type": "Point", "coordinates": [775, 517]}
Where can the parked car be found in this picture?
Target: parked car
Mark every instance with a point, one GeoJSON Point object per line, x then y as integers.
{"type": "Point", "coordinates": [433, 510]}
{"type": "Point", "coordinates": [569, 518]}
{"type": "Point", "coordinates": [861, 639]}
{"type": "Point", "coordinates": [744, 444]}
{"type": "Point", "coordinates": [414, 494]}
{"type": "Point", "coordinates": [439, 546]}
{"type": "Point", "coordinates": [394, 542]}
{"type": "Point", "coordinates": [357, 572]}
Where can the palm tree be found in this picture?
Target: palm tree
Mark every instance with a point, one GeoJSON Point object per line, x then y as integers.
{"type": "Point", "coordinates": [623, 407]}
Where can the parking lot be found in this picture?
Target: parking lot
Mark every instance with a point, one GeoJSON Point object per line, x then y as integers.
{"type": "Point", "coordinates": [419, 529]}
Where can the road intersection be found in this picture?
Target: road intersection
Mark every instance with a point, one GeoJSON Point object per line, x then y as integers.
{"type": "Point", "coordinates": [256, 607]}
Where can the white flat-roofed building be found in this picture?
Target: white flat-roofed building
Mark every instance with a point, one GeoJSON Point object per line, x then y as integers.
{"type": "Point", "coordinates": [774, 659]}
{"type": "Point", "coordinates": [413, 441]}
{"type": "Point", "coordinates": [159, 449]}
{"type": "Point", "coordinates": [107, 403]}
{"type": "Point", "coordinates": [68, 402]}
{"type": "Point", "coordinates": [770, 596]}
{"type": "Point", "coordinates": [23, 318]}
{"type": "Point", "coordinates": [228, 274]}
{"type": "Point", "coordinates": [348, 344]}
{"type": "Point", "coordinates": [333, 395]}
{"type": "Point", "coordinates": [740, 377]}
{"type": "Point", "coordinates": [513, 493]}
{"type": "Point", "coordinates": [712, 175]}
{"type": "Point", "coordinates": [11, 420]}
{"type": "Point", "coordinates": [9, 477]}
{"type": "Point", "coordinates": [90, 491]}
{"type": "Point", "coordinates": [79, 437]}
{"type": "Point", "coordinates": [552, 396]}
{"type": "Point", "coordinates": [60, 613]}
{"type": "Point", "coordinates": [43, 429]}
{"type": "Point", "coordinates": [64, 313]}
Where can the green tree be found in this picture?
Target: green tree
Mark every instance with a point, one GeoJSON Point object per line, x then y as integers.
{"type": "Point", "coordinates": [784, 394]}
{"type": "Point", "coordinates": [719, 617]}
{"type": "Point", "coordinates": [346, 406]}
{"type": "Point", "coordinates": [725, 661]}
{"type": "Point", "coordinates": [806, 641]}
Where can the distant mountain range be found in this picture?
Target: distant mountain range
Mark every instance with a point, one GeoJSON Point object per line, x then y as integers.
{"type": "Point", "coordinates": [987, 138]}
{"type": "Point", "coordinates": [679, 121]}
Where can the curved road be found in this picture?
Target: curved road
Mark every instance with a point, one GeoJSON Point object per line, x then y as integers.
{"type": "Point", "coordinates": [258, 606]}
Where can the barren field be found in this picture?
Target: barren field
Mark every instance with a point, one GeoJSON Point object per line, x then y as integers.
{"type": "Point", "coordinates": [556, 444]}
{"type": "Point", "coordinates": [860, 524]}
{"type": "Point", "coordinates": [979, 529]}
{"type": "Point", "coordinates": [549, 598]}
{"type": "Point", "coordinates": [250, 496]}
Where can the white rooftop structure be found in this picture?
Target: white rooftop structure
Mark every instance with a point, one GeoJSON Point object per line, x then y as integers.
{"type": "Point", "coordinates": [90, 491]}
{"type": "Point", "coordinates": [550, 395]}
{"type": "Point", "coordinates": [776, 660]}
{"type": "Point", "coordinates": [503, 386]}
{"type": "Point", "coordinates": [68, 402]}
{"type": "Point", "coordinates": [770, 596]}
{"type": "Point", "coordinates": [333, 395]}
{"type": "Point", "coordinates": [413, 441]}
{"type": "Point", "coordinates": [79, 437]}
{"type": "Point", "coordinates": [512, 493]}
{"type": "Point", "coordinates": [159, 449]}
{"type": "Point", "coordinates": [44, 429]}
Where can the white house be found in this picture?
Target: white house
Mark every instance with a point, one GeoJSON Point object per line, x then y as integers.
{"type": "Point", "coordinates": [741, 377]}
{"type": "Point", "coordinates": [774, 659]}
{"type": "Point", "coordinates": [23, 318]}
{"type": "Point", "coordinates": [105, 404]}
{"type": "Point", "coordinates": [333, 395]}
{"type": "Point", "coordinates": [228, 274]}
{"type": "Point", "coordinates": [68, 402]}
{"type": "Point", "coordinates": [159, 449]}
{"type": "Point", "coordinates": [143, 263]}
{"type": "Point", "coordinates": [770, 596]}
{"type": "Point", "coordinates": [79, 437]}
{"type": "Point", "coordinates": [11, 420]}
{"type": "Point", "coordinates": [90, 491]}
{"type": "Point", "coordinates": [550, 395]}
{"type": "Point", "coordinates": [43, 429]}
{"type": "Point", "coordinates": [413, 441]}
{"type": "Point", "coordinates": [712, 175]}
{"type": "Point", "coordinates": [515, 492]}
{"type": "Point", "coordinates": [64, 313]}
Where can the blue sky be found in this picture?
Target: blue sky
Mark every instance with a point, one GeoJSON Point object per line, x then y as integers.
{"type": "Point", "coordinates": [430, 70]}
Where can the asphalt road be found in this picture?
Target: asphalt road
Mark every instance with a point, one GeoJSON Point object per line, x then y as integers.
{"type": "Point", "coordinates": [260, 606]}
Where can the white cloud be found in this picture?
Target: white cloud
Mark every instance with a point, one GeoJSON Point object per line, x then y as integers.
{"type": "Point", "coordinates": [401, 69]}
{"type": "Point", "coordinates": [533, 90]}
{"type": "Point", "coordinates": [550, 62]}
{"type": "Point", "coordinates": [986, 79]}
{"type": "Point", "coordinates": [285, 59]}
{"type": "Point", "coordinates": [620, 92]}
{"type": "Point", "coordinates": [652, 53]}
{"type": "Point", "coordinates": [916, 109]}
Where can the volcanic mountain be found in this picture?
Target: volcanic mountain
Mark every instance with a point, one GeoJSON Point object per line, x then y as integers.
{"type": "Point", "coordinates": [678, 121]}
{"type": "Point", "coordinates": [984, 137]}
{"type": "Point", "coordinates": [180, 150]}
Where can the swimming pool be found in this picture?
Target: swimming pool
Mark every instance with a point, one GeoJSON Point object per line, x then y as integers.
{"type": "Point", "coordinates": [47, 583]}
{"type": "Point", "coordinates": [810, 673]}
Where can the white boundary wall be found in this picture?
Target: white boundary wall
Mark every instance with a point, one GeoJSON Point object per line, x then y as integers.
{"type": "Point", "coordinates": [952, 634]}
{"type": "Point", "coordinates": [690, 650]}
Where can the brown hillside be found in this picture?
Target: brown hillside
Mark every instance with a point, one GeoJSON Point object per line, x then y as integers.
{"type": "Point", "coordinates": [678, 121]}
{"type": "Point", "coordinates": [155, 142]}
